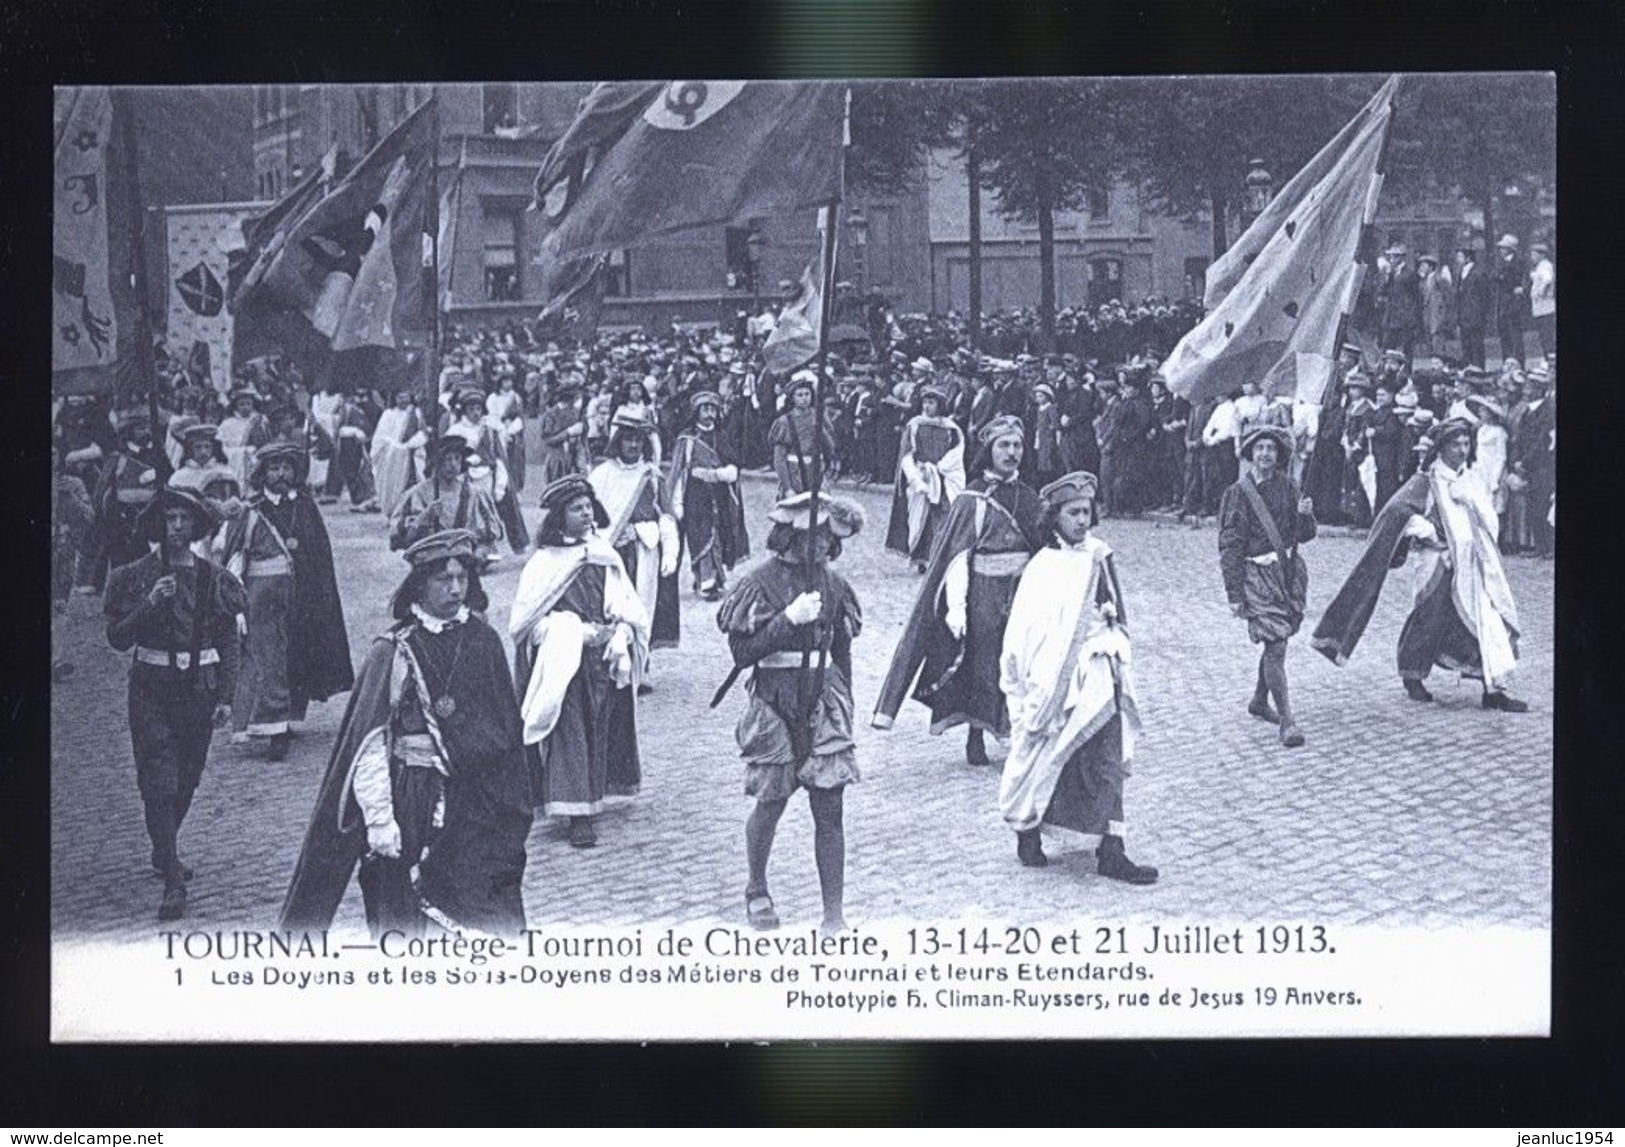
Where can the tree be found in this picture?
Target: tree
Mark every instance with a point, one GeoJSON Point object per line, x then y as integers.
{"type": "Point", "coordinates": [1041, 146]}
{"type": "Point", "coordinates": [1190, 140]}
{"type": "Point", "coordinates": [1473, 134]}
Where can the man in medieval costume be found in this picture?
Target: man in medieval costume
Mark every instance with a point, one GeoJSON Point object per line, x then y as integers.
{"type": "Point", "coordinates": [1067, 679]}
{"type": "Point", "coordinates": [297, 649]}
{"type": "Point", "coordinates": [641, 528]}
{"type": "Point", "coordinates": [427, 788]}
{"type": "Point", "coordinates": [487, 460]}
{"type": "Point", "coordinates": [581, 644]}
{"type": "Point", "coordinates": [128, 481]}
{"type": "Point", "coordinates": [397, 447]}
{"type": "Point", "coordinates": [1263, 518]}
{"type": "Point", "coordinates": [1464, 618]}
{"type": "Point", "coordinates": [798, 435]}
{"type": "Point", "coordinates": [564, 432]}
{"type": "Point", "coordinates": [703, 492]}
{"type": "Point", "coordinates": [948, 655]}
{"type": "Point", "coordinates": [791, 621]}
{"type": "Point", "coordinates": [351, 467]}
{"type": "Point", "coordinates": [930, 475]}
{"type": "Point", "coordinates": [178, 612]}
{"type": "Point", "coordinates": [447, 500]}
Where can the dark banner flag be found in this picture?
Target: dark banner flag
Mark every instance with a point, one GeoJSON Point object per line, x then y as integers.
{"type": "Point", "coordinates": [353, 265]}
{"type": "Point", "coordinates": [97, 324]}
{"type": "Point", "coordinates": [265, 235]}
{"type": "Point", "coordinates": [645, 159]}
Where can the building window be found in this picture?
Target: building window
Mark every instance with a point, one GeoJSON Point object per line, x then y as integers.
{"type": "Point", "coordinates": [617, 275]}
{"type": "Point", "coordinates": [1098, 202]}
{"type": "Point", "coordinates": [501, 103]}
{"type": "Point", "coordinates": [501, 253]}
{"type": "Point", "coordinates": [1195, 277]}
{"type": "Point", "coordinates": [1105, 280]}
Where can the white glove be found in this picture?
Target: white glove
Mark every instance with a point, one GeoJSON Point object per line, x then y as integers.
{"type": "Point", "coordinates": [385, 839]}
{"type": "Point", "coordinates": [955, 621]}
{"type": "Point", "coordinates": [805, 608]}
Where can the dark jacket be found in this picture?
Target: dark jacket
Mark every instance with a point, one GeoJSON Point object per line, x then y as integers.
{"type": "Point", "coordinates": [1473, 298]}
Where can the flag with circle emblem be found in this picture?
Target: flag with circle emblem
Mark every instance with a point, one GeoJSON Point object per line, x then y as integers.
{"type": "Point", "coordinates": [644, 159]}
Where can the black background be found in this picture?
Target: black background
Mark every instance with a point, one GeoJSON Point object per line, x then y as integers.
{"type": "Point", "coordinates": [1575, 1079]}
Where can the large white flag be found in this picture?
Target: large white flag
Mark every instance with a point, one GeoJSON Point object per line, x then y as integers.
{"type": "Point", "coordinates": [1275, 298]}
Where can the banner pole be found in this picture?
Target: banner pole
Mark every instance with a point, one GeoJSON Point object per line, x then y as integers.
{"type": "Point", "coordinates": [431, 415]}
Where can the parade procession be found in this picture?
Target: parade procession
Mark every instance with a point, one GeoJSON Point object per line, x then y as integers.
{"type": "Point", "coordinates": [760, 516]}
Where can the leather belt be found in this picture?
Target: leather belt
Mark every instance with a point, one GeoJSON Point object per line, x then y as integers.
{"type": "Point", "coordinates": [183, 659]}
{"type": "Point", "coordinates": [1005, 564]}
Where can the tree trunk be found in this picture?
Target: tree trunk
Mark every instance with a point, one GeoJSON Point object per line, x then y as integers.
{"type": "Point", "coordinates": [1218, 205]}
{"type": "Point", "coordinates": [1046, 267]}
{"type": "Point", "coordinates": [973, 176]}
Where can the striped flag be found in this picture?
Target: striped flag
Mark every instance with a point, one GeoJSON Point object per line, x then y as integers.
{"type": "Point", "coordinates": [1276, 300]}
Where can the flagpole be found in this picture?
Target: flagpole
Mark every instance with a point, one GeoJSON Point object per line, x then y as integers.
{"type": "Point", "coordinates": [811, 701]}
{"type": "Point", "coordinates": [432, 414]}
{"type": "Point", "coordinates": [143, 334]}
{"type": "Point", "coordinates": [1362, 247]}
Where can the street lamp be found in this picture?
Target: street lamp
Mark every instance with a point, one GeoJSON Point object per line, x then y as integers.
{"type": "Point", "coordinates": [1260, 188]}
{"type": "Point", "coordinates": [858, 224]}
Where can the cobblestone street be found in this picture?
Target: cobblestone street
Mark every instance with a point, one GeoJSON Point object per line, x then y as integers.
{"type": "Point", "coordinates": [1393, 813]}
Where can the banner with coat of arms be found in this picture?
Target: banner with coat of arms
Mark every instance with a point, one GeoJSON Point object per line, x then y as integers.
{"type": "Point", "coordinates": [201, 239]}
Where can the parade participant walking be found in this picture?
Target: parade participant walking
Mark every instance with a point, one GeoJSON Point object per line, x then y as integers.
{"type": "Point", "coordinates": [505, 408]}
{"type": "Point", "coordinates": [1464, 618]}
{"type": "Point", "coordinates": [641, 527]}
{"type": "Point", "coordinates": [796, 434]}
{"type": "Point", "coordinates": [447, 500]}
{"type": "Point", "coordinates": [351, 468]}
{"type": "Point", "coordinates": [201, 456]}
{"type": "Point", "coordinates": [129, 479]}
{"type": "Point", "coordinates": [397, 444]}
{"type": "Point", "coordinates": [791, 621]}
{"type": "Point", "coordinates": [1262, 521]}
{"type": "Point", "coordinates": [427, 789]}
{"type": "Point", "coordinates": [930, 475]}
{"type": "Point", "coordinates": [243, 432]}
{"type": "Point", "coordinates": [581, 644]}
{"type": "Point", "coordinates": [703, 492]}
{"type": "Point", "coordinates": [179, 613]}
{"type": "Point", "coordinates": [949, 652]}
{"type": "Point", "coordinates": [1065, 671]}
{"type": "Point", "coordinates": [297, 649]}
{"type": "Point", "coordinates": [564, 433]}
{"type": "Point", "coordinates": [487, 461]}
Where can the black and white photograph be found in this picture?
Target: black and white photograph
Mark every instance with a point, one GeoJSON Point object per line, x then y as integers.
{"type": "Point", "coordinates": [1019, 557]}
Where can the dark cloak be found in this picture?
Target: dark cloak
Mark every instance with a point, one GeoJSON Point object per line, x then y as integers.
{"type": "Point", "coordinates": [1345, 619]}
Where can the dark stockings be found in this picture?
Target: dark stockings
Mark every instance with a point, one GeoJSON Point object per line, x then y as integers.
{"type": "Point", "coordinates": [829, 847]}
{"type": "Point", "coordinates": [1272, 676]}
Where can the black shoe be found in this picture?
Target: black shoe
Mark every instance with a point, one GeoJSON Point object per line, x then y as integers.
{"type": "Point", "coordinates": [1415, 690]}
{"type": "Point", "coordinates": [1290, 737]}
{"type": "Point", "coordinates": [158, 868]}
{"type": "Point", "coordinates": [1113, 863]}
{"type": "Point", "coordinates": [174, 903]}
{"type": "Point", "coordinates": [277, 750]}
{"type": "Point", "coordinates": [1505, 704]}
{"type": "Point", "coordinates": [644, 688]}
{"type": "Point", "coordinates": [61, 670]}
{"type": "Point", "coordinates": [1263, 710]}
{"type": "Point", "coordinates": [919, 567]}
{"type": "Point", "coordinates": [1030, 849]}
{"type": "Point", "coordinates": [712, 594]}
{"type": "Point", "coordinates": [976, 750]}
{"type": "Point", "coordinates": [582, 832]}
